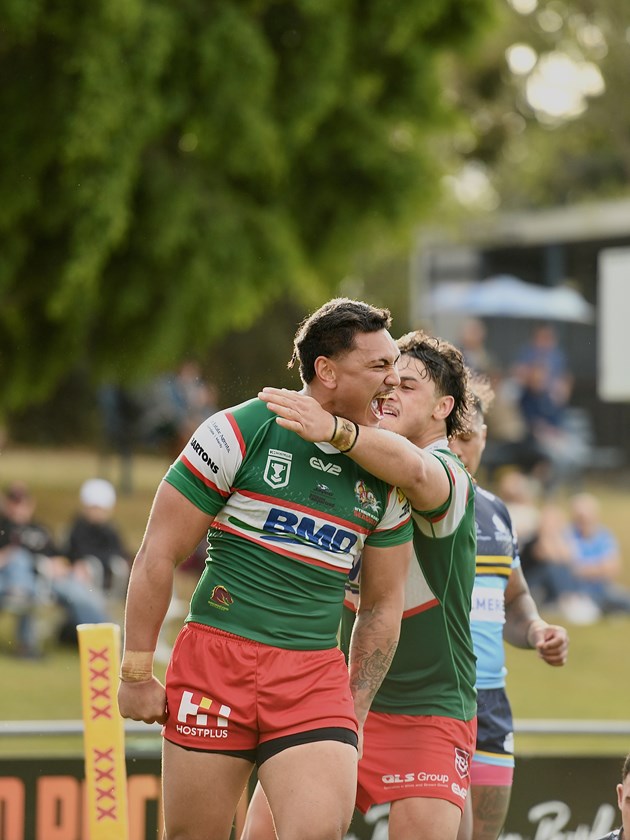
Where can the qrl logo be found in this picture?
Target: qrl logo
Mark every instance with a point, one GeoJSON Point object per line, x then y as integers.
{"type": "Point", "coordinates": [278, 468]}
{"type": "Point", "coordinates": [462, 762]}
{"type": "Point", "coordinates": [189, 709]}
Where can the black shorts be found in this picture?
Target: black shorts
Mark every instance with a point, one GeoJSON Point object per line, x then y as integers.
{"type": "Point", "coordinates": [495, 727]}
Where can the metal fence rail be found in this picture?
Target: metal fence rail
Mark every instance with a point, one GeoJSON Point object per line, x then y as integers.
{"type": "Point", "coordinates": [23, 728]}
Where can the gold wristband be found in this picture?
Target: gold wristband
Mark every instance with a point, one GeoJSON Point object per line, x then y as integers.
{"type": "Point", "coordinates": [137, 666]}
{"type": "Point", "coordinates": [345, 435]}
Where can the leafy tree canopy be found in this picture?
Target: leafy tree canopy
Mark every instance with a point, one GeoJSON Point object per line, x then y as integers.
{"type": "Point", "coordinates": [168, 170]}
{"type": "Point", "coordinates": [541, 104]}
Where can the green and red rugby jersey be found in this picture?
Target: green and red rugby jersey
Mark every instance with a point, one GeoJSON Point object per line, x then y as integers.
{"type": "Point", "coordinates": [290, 520]}
{"type": "Point", "coordinates": [433, 670]}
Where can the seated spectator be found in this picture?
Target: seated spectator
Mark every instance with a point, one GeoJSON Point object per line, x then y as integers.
{"type": "Point", "coordinates": [94, 544]}
{"type": "Point", "coordinates": [55, 579]}
{"type": "Point", "coordinates": [18, 590]}
{"type": "Point", "coordinates": [547, 561]}
{"type": "Point", "coordinates": [596, 556]}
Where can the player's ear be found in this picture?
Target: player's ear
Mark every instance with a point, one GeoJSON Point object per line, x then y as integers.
{"type": "Point", "coordinates": [443, 407]}
{"type": "Point", "coordinates": [325, 371]}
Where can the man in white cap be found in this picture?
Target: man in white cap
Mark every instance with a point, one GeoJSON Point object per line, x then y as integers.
{"type": "Point", "coordinates": [95, 542]}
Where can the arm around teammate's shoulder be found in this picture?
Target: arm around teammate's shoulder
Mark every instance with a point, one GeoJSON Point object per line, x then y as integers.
{"type": "Point", "coordinates": [417, 472]}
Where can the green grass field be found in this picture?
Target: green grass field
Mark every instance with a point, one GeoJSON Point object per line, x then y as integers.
{"type": "Point", "coordinates": [594, 685]}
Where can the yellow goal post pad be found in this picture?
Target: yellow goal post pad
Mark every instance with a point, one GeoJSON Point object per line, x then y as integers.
{"type": "Point", "coordinates": [104, 733]}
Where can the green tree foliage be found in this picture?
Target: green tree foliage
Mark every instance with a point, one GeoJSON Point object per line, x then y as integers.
{"type": "Point", "coordinates": [534, 158]}
{"type": "Point", "coordinates": [169, 170]}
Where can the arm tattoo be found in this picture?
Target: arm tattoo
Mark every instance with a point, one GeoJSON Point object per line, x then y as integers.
{"type": "Point", "coordinates": [369, 668]}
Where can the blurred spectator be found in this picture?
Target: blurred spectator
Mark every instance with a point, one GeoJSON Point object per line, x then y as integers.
{"type": "Point", "coordinates": [521, 495]}
{"type": "Point", "coordinates": [119, 412]}
{"type": "Point", "coordinates": [472, 343]}
{"type": "Point", "coordinates": [547, 560]}
{"type": "Point", "coordinates": [176, 404]}
{"type": "Point", "coordinates": [544, 352]}
{"type": "Point", "coordinates": [548, 428]}
{"type": "Point", "coordinates": [94, 544]}
{"type": "Point", "coordinates": [596, 559]}
{"type": "Point", "coordinates": [18, 589]}
{"type": "Point", "coordinates": [54, 578]}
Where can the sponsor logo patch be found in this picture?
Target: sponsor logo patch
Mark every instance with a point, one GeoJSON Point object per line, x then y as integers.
{"type": "Point", "coordinates": [278, 468]}
{"type": "Point", "coordinates": [324, 466]}
{"type": "Point", "coordinates": [192, 717]}
{"type": "Point", "coordinates": [459, 791]}
{"type": "Point", "coordinates": [204, 455]}
{"type": "Point", "coordinates": [221, 598]}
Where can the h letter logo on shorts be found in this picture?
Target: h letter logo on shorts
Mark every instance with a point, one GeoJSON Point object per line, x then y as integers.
{"type": "Point", "coordinates": [187, 708]}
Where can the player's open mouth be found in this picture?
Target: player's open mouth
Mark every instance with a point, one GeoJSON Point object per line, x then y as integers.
{"type": "Point", "coordinates": [378, 406]}
{"type": "Point", "coordinates": [388, 407]}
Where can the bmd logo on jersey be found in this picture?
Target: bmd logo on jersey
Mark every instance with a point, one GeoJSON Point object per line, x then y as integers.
{"type": "Point", "coordinates": [278, 468]}
{"type": "Point", "coordinates": [286, 526]}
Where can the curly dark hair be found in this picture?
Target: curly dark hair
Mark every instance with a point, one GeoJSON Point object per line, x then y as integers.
{"type": "Point", "coordinates": [445, 367]}
{"type": "Point", "coordinates": [331, 330]}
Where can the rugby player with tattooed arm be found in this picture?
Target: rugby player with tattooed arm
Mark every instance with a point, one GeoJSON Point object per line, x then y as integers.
{"type": "Point", "coordinates": [256, 677]}
{"type": "Point", "coordinates": [419, 735]}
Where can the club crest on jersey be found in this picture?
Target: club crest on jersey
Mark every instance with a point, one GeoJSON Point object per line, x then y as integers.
{"type": "Point", "coordinates": [368, 505]}
{"type": "Point", "coordinates": [365, 497]}
{"type": "Point", "coordinates": [462, 762]}
{"type": "Point", "coordinates": [278, 468]}
{"type": "Point", "coordinates": [220, 598]}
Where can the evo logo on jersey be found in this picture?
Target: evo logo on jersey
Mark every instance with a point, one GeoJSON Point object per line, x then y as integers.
{"type": "Point", "coordinates": [304, 529]}
{"type": "Point", "coordinates": [318, 464]}
{"type": "Point", "coordinates": [277, 468]}
{"type": "Point", "coordinates": [198, 726]}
